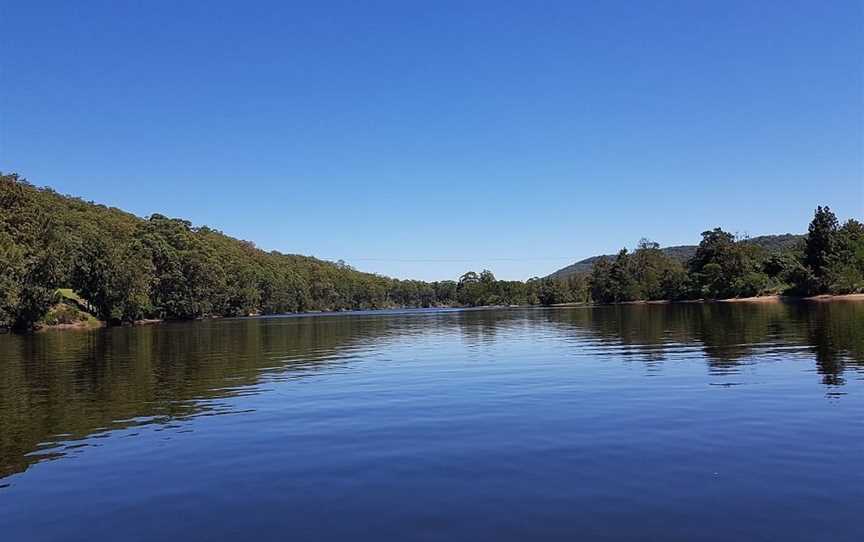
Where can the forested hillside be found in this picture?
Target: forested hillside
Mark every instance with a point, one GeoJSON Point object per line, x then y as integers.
{"type": "Point", "coordinates": [63, 259]}
{"type": "Point", "coordinates": [128, 268]}
{"type": "Point", "coordinates": [682, 253]}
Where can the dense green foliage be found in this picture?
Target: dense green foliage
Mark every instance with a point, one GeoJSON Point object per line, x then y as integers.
{"type": "Point", "coordinates": [646, 274]}
{"type": "Point", "coordinates": [484, 289]}
{"type": "Point", "coordinates": [128, 268]}
{"type": "Point", "coordinates": [829, 260]}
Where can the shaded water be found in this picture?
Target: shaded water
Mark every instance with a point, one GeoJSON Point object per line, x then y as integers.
{"type": "Point", "coordinates": [681, 422]}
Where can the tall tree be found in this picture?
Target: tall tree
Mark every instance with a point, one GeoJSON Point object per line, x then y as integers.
{"type": "Point", "coordinates": [821, 241]}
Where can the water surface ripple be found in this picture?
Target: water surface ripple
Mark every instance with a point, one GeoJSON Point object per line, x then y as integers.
{"type": "Point", "coordinates": [646, 422]}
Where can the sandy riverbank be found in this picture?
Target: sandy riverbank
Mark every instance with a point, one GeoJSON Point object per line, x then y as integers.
{"type": "Point", "coordinates": [755, 299]}
{"type": "Point", "coordinates": [786, 298]}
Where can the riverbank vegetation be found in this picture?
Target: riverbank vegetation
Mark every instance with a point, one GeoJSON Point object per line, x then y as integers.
{"type": "Point", "coordinates": [829, 260]}
{"type": "Point", "coordinates": [62, 258]}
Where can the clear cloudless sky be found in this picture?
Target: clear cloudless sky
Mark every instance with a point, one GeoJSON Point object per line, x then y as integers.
{"type": "Point", "coordinates": [422, 139]}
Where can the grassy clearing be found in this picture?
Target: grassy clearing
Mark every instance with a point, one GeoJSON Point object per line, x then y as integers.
{"type": "Point", "coordinates": [68, 293]}
{"type": "Point", "coordinates": [70, 311]}
{"type": "Point", "coordinates": [67, 314]}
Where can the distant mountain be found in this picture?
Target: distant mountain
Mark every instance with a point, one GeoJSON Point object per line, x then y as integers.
{"type": "Point", "coordinates": [771, 243]}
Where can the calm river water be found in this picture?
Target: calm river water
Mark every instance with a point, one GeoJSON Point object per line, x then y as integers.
{"type": "Point", "coordinates": [681, 422]}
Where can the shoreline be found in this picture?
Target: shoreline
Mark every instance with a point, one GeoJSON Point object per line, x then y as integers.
{"type": "Point", "coordinates": [777, 298]}
{"type": "Point", "coordinates": [840, 297]}
{"type": "Point", "coordinates": [766, 299]}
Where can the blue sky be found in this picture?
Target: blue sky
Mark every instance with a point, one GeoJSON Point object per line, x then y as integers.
{"type": "Point", "coordinates": [422, 139]}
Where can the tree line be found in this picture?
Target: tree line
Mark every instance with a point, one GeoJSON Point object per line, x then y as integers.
{"type": "Point", "coordinates": [127, 268]}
